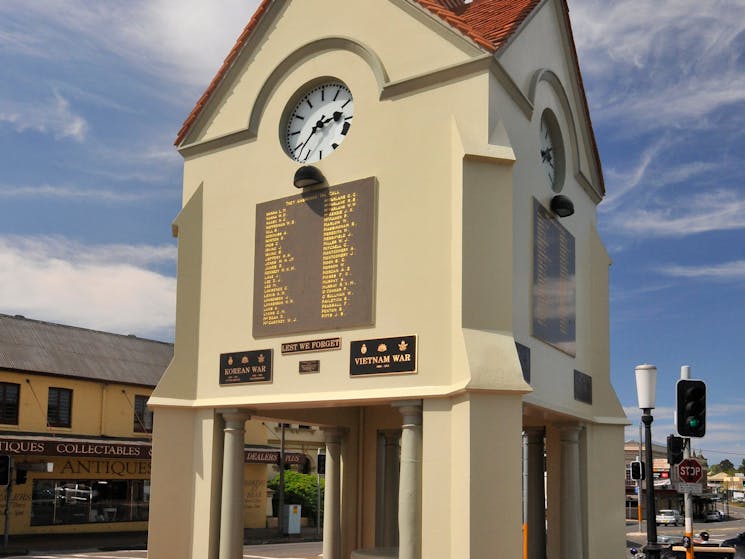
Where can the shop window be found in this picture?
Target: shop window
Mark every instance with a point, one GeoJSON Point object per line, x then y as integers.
{"type": "Point", "coordinates": [9, 402]}
{"type": "Point", "coordinates": [143, 417]}
{"type": "Point", "coordinates": [59, 407]}
{"type": "Point", "coordinates": [55, 502]}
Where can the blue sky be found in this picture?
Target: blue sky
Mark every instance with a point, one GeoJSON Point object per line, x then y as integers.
{"type": "Point", "coordinates": [93, 94]}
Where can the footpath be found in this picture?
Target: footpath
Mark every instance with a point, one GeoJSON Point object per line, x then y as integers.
{"type": "Point", "coordinates": [115, 541]}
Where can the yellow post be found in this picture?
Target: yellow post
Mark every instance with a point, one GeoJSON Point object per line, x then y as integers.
{"type": "Point", "coordinates": [525, 540]}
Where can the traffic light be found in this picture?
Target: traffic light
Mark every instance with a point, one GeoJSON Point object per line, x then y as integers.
{"type": "Point", "coordinates": [637, 470]}
{"type": "Point", "coordinates": [675, 447]}
{"type": "Point", "coordinates": [691, 408]}
{"type": "Point", "coordinates": [321, 464]}
{"type": "Point", "coordinates": [4, 471]}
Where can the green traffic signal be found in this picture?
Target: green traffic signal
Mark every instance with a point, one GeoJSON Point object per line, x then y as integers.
{"type": "Point", "coordinates": [691, 408]}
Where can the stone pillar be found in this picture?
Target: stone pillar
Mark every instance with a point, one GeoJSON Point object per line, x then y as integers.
{"type": "Point", "coordinates": [536, 507]}
{"type": "Point", "coordinates": [231, 510]}
{"type": "Point", "coordinates": [332, 496]}
{"type": "Point", "coordinates": [410, 481]}
{"type": "Point", "coordinates": [572, 536]}
{"type": "Point", "coordinates": [390, 489]}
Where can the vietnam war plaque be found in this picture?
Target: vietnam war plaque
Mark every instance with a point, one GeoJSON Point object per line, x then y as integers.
{"type": "Point", "coordinates": [314, 260]}
{"type": "Point", "coordinates": [382, 355]}
{"type": "Point", "coordinates": [554, 318]}
{"type": "Point", "coordinates": [241, 367]}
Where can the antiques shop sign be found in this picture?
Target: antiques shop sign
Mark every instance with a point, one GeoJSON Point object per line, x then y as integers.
{"type": "Point", "coordinates": [29, 446]}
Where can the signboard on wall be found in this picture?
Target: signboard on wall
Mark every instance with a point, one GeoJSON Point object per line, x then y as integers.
{"type": "Point", "coordinates": [554, 315]}
{"type": "Point", "coordinates": [314, 260]}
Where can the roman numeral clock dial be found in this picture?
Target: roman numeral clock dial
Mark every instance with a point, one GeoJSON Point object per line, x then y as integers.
{"type": "Point", "coordinates": [318, 122]}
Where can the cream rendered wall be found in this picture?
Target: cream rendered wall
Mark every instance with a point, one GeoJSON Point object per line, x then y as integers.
{"type": "Point", "coordinates": [541, 47]}
{"type": "Point", "coordinates": [172, 498]}
{"type": "Point", "coordinates": [605, 522]}
{"type": "Point", "coordinates": [416, 216]}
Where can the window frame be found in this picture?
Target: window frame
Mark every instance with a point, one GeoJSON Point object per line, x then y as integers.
{"type": "Point", "coordinates": [142, 417]}
{"type": "Point", "coordinates": [58, 420]}
{"type": "Point", "coordinates": [4, 402]}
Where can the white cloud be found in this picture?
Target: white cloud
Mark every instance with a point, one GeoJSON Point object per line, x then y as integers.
{"type": "Point", "coordinates": [663, 63]}
{"type": "Point", "coordinates": [727, 271]}
{"type": "Point", "coordinates": [63, 192]}
{"type": "Point", "coordinates": [50, 117]}
{"type": "Point", "coordinates": [106, 287]}
{"type": "Point", "coordinates": [720, 210]}
{"type": "Point", "coordinates": [183, 40]}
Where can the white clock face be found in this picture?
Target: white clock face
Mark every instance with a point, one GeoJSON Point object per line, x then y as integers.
{"type": "Point", "coordinates": [552, 151]}
{"type": "Point", "coordinates": [319, 122]}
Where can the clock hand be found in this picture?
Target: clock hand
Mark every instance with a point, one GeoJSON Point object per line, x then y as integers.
{"type": "Point", "coordinates": [318, 125]}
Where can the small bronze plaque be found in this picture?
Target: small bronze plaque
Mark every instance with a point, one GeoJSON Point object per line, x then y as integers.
{"type": "Point", "coordinates": [326, 344]}
{"type": "Point", "coordinates": [310, 366]}
{"type": "Point", "coordinates": [383, 355]}
{"type": "Point", "coordinates": [582, 387]}
{"type": "Point", "coordinates": [243, 367]}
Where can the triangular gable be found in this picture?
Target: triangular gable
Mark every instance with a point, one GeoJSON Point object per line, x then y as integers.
{"type": "Point", "coordinates": [487, 23]}
{"type": "Point", "coordinates": [490, 24]}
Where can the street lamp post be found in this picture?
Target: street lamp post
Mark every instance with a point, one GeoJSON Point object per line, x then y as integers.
{"type": "Point", "coordinates": [646, 379]}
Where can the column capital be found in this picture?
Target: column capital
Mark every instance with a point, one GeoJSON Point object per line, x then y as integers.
{"type": "Point", "coordinates": [570, 432]}
{"type": "Point", "coordinates": [333, 434]}
{"type": "Point", "coordinates": [411, 410]}
{"type": "Point", "coordinates": [234, 415]}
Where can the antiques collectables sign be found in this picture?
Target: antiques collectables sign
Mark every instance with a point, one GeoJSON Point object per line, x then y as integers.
{"type": "Point", "coordinates": [382, 356]}
{"type": "Point", "coordinates": [243, 367]}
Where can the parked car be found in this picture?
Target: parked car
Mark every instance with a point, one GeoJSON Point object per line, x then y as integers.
{"type": "Point", "coordinates": [668, 516]}
{"type": "Point", "coordinates": [714, 516]}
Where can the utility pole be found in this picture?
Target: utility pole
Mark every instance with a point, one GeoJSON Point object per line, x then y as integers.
{"type": "Point", "coordinates": [685, 374]}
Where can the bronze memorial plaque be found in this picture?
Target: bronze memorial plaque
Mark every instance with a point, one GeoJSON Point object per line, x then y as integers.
{"type": "Point", "coordinates": [554, 317]}
{"type": "Point", "coordinates": [241, 367]}
{"type": "Point", "coordinates": [382, 356]}
{"type": "Point", "coordinates": [314, 260]}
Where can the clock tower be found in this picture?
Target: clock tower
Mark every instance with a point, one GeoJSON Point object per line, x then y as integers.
{"type": "Point", "coordinates": [389, 231]}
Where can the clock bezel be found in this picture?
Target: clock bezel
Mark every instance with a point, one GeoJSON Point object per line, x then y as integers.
{"type": "Point", "coordinates": [551, 123]}
{"type": "Point", "coordinates": [292, 103]}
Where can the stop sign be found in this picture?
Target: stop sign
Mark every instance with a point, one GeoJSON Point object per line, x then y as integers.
{"type": "Point", "coordinates": [690, 471]}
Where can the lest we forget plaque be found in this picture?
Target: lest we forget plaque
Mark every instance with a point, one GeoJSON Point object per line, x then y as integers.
{"type": "Point", "coordinates": [314, 260]}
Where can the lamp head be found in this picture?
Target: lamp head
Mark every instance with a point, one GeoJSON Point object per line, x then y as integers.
{"type": "Point", "coordinates": [307, 176]}
{"type": "Point", "coordinates": [646, 381]}
{"type": "Point", "coordinates": [562, 206]}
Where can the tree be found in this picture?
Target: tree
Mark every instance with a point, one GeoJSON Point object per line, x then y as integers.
{"type": "Point", "coordinates": [300, 489]}
{"type": "Point", "coordinates": [726, 466]}
{"type": "Point", "coordinates": [741, 469]}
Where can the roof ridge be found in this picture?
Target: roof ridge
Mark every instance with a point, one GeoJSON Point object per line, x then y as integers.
{"type": "Point", "coordinates": [21, 317]}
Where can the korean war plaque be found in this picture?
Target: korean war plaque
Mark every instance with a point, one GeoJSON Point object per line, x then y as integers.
{"type": "Point", "coordinates": [243, 367]}
{"type": "Point", "coordinates": [315, 260]}
{"type": "Point", "coordinates": [382, 355]}
{"type": "Point", "coordinates": [554, 318]}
